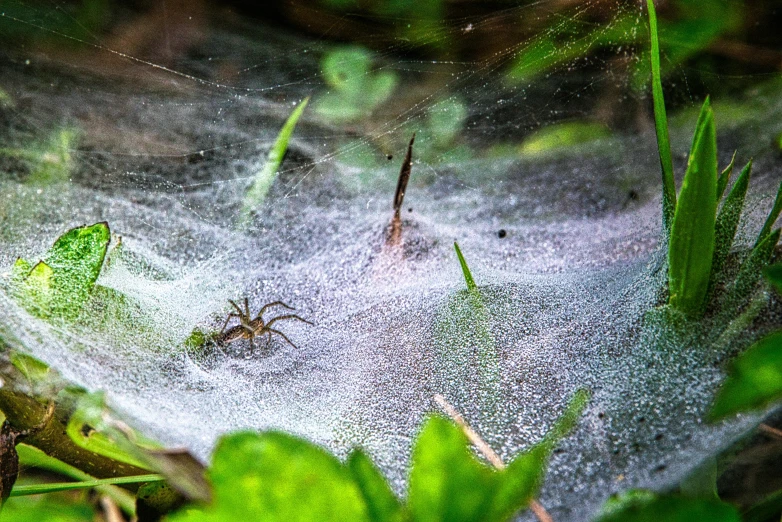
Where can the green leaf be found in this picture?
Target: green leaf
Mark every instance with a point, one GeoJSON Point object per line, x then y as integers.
{"type": "Point", "coordinates": [643, 506]}
{"type": "Point", "coordinates": [277, 477]}
{"type": "Point", "coordinates": [37, 489]}
{"type": "Point", "coordinates": [751, 270]}
{"type": "Point", "coordinates": [447, 482]}
{"type": "Point", "coordinates": [264, 179]}
{"type": "Point", "coordinates": [728, 220]}
{"type": "Point", "coordinates": [691, 246]}
{"type": "Point", "coordinates": [661, 125]}
{"type": "Point", "coordinates": [471, 286]}
{"type": "Point", "coordinates": [722, 181]}
{"type": "Point", "coordinates": [772, 217]}
{"type": "Point", "coordinates": [754, 380]}
{"type": "Point", "coordinates": [773, 274]}
{"type": "Point", "coordinates": [381, 502]}
{"type": "Point", "coordinates": [47, 508]}
{"type": "Point", "coordinates": [61, 283]}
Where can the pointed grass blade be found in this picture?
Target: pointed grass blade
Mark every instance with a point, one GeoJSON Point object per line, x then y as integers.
{"type": "Point", "coordinates": [471, 286]}
{"type": "Point", "coordinates": [751, 270]}
{"type": "Point", "coordinates": [661, 125]}
{"type": "Point", "coordinates": [722, 182]}
{"type": "Point", "coordinates": [691, 245]}
{"type": "Point", "coordinates": [773, 274]}
{"type": "Point", "coordinates": [37, 489]}
{"type": "Point", "coordinates": [264, 179]}
{"type": "Point", "coordinates": [772, 217]}
{"type": "Point", "coordinates": [728, 219]}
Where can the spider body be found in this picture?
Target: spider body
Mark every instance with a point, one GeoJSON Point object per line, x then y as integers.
{"type": "Point", "coordinates": [250, 328]}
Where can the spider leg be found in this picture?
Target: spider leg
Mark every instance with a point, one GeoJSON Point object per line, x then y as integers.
{"type": "Point", "coordinates": [271, 330]}
{"type": "Point", "coordinates": [246, 309]}
{"type": "Point", "coordinates": [275, 303]}
{"type": "Point", "coordinates": [269, 340]}
{"type": "Point", "coordinates": [222, 330]}
{"type": "Point", "coordinates": [237, 308]}
{"type": "Point", "coordinates": [289, 316]}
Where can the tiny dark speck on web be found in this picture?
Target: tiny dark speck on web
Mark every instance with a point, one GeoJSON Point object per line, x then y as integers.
{"type": "Point", "coordinates": [502, 233]}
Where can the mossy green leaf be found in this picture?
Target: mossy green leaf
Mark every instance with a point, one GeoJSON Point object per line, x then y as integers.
{"type": "Point", "coordinates": [754, 380]}
{"type": "Point", "coordinates": [61, 283]}
{"type": "Point", "coordinates": [728, 219]}
{"type": "Point", "coordinates": [382, 504]}
{"type": "Point", "coordinates": [644, 506]}
{"type": "Point", "coordinates": [277, 477]}
{"type": "Point", "coordinates": [691, 245]}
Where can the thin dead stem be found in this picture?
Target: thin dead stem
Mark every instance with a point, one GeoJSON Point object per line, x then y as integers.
{"type": "Point", "coordinates": [486, 450]}
{"type": "Point", "coordinates": [111, 511]}
{"type": "Point", "coordinates": [774, 432]}
{"type": "Point", "coordinates": [399, 196]}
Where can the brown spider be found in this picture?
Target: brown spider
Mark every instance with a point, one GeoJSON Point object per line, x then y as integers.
{"type": "Point", "coordinates": [251, 328]}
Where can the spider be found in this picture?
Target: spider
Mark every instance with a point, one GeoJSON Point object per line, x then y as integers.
{"type": "Point", "coordinates": [251, 328]}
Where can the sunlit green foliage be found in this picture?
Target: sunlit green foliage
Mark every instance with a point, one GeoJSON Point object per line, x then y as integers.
{"type": "Point", "coordinates": [691, 245]}
{"type": "Point", "coordinates": [48, 508]}
{"type": "Point", "coordinates": [645, 506]}
{"type": "Point", "coordinates": [61, 282]}
{"type": "Point", "coordinates": [355, 90]}
{"type": "Point", "coordinates": [559, 136]}
{"type": "Point", "coordinates": [274, 476]}
{"type": "Point", "coordinates": [755, 379]}
{"type": "Point", "coordinates": [49, 161]}
{"type": "Point", "coordinates": [265, 177]}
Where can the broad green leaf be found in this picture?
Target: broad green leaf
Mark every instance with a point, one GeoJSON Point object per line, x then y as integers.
{"type": "Point", "coordinates": [773, 274]}
{"type": "Point", "coordinates": [643, 506]}
{"type": "Point", "coordinates": [264, 179]}
{"type": "Point", "coordinates": [277, 477]}
{"type": "Point", "coordinates": [382, 504]}
{"type": "Point", "coordinates": [61, 283]}
{"type": "Point", "coordinates": [448, 483]}
{"type": "Point", "coordinates": [471, 286]}
{"type": "Point", "coordinates": [724, 179]}
{"type": "Point", "coordinates": [754, 380]}
{"type": "Point", "coordinates": [661, 125]}
{"type": "Point", "coordinates": [728, 220]}
{"type": "Point", "coordinates": [34, 371]}
{"type": "Point", "coordinates": [772, 217]}
{"type": "Point", "coordinates": [691, 244]}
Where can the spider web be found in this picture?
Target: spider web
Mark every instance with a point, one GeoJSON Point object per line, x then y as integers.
{"type": "Point", "coordinates": [168, 144]}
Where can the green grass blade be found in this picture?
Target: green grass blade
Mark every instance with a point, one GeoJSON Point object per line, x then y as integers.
{"type": "Point", "coordinates": [691, 245]}
{"type": "Point", "coordinates": [772, 217]}
{"type": "Point", "coordinates": [751, 270]}
{"type": "Point", "coordinates": [728, 219]}
{"type": "Point", "coordinates": [264, 179]}
{"type": "Point", "coordinates": [37, 489]}
{"type": "Point", "coordinates": [661, 125]}
{"type": "Point", "coordinates": [722, 182]}
{"type": "Point", "coordinates": [471, 286]}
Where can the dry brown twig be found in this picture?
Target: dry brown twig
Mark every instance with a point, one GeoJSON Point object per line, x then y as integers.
{"type": "Point", "coordinates": [486, 450]}
{"type": "Point", "coordinates": [769, 430]}
{"type": "Point", "coordinates": [395, 236]}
